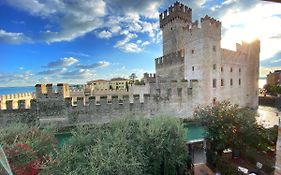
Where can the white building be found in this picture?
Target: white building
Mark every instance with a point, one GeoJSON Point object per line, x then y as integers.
{"type": "Point", "coordinates": [192, 52]}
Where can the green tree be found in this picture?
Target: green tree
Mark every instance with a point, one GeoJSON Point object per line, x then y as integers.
{"type": "Point", "coordinates": [228, 126]}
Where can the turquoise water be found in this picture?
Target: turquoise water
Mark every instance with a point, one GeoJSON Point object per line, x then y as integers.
{"type": "Point", "coordinates": [14, 90]}
{"type": "Point", "coordinates": [63, 138]}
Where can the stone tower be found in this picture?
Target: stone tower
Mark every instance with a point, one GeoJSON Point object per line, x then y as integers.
{"type": "Point", "coordinates": [174, 23]}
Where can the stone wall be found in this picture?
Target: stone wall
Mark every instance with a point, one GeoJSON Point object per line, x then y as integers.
{"type": "Point", "coordinates": [15, 101]}
{"type": "Point", "coordinates": [170, 67]}
{"type": "Point", "coordinates": [175, 98]}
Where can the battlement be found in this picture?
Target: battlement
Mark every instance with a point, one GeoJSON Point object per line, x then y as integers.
{"type": "Point", "coordinates": [17, 96]}
{"type": "Point", "coordinates": [245, 46]}
{"type": "Point", "coordinates": [208, 27]}
{"type": "Point", "coordinates": [209, 21]}
{"type": "Point", "coordinates": [48, 91]}
{"type": "Point", "coordinates": [241, 50]}
{"type": "Point", "coordinates": [150, 78]}
{"type": "Point", "coordinates": [170, 59]}
{"type": "Point", "coordinates": [175, 11]}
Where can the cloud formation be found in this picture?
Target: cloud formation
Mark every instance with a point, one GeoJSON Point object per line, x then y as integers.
{"type": "Point", "coordinates": [78, 74]}
{"type": "Point", "coordinates": [13, 38]}
{"type": "Point", "coordinates": [93, 66]}
{"type": "Point", "coordinates": [52, 71]}
{"type": "Point", "coordinates": [16, 76]}
{"type": "Point", "coordinates": [68, 20]}
{"type": "Point", "coordinates": [63, 62]}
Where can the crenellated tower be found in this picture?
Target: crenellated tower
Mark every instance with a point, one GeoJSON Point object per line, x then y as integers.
{"type": "Point", "coordinates": [174, 24]}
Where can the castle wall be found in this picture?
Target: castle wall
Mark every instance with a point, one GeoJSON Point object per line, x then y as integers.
{"type": "Point", "coordinates": [170, 67]}
{"type": "Point", "coordinates": [241, 65]}
{"type": "Point", "coordinates": [14, 98]}
{"type": "Point", "coordinates": [101, 109]}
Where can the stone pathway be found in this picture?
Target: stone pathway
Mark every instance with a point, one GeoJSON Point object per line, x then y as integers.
{"type": "Point", "coordinates": [202, 169]}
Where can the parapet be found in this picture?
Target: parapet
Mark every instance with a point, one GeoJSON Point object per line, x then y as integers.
{"type": "Point", "coordinates": [176, 11]}
{"type": "Point", "coordinates": [209, 21]}
{"type": "Point", "coordinates": [170, 59]}
{"type": "Point", "coordinates": [48, 91]}
{"type": "Point", "coordinates": [18, 96]}
{"type": "Point", "coordinates": [254, 45]}
{"type": "Point", "coordinates": [114, 100]}
{"type": "Point", "coordinates": [149, 77]}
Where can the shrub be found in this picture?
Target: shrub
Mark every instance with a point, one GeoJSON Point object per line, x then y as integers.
{"type": "Point", "coordinates": [26, 148]}
{"type": "Point", "coordinates": [125, 146]}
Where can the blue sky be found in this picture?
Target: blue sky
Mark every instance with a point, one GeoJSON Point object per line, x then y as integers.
{"type": "Point", "coordinates": [43, 41]}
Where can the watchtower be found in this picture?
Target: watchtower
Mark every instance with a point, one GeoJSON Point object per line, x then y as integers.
{"type": "Point", "coordinates": [174, 24]}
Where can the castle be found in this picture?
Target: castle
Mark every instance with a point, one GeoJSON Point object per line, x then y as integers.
{"type": "Point", "coordinates": [194, 70]}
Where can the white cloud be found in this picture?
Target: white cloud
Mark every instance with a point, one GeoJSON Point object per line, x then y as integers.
{"type": "Point", "coordinates": [16, 77]}
{"type": "Point", "coordinates": [105, 34]}
{"type": "Point", "coordinates": [261, 22]}
{"type": "Point", "coordinates": [73, 18]}
{"type": "Point", "coordinates": [13, 38]}
{"type": "Point", "coordinates": [35, 7]}
{"type": "Point", "coordinates": [78, 54]}
{"type": "Point", "coordinates": [146, 8]}
{"type": "Point", "coordinates": [94, 65]}
{"type": "Point", "coordinates": [64, 62]}
{"type": "Point", "coordinates": [145, 43]}
{"type": "Point", "coordinates": [115, 29]}
{"type": "Point", "coordinates": [52, 71]}
{"type": "Point", "coordinates": [79, 74]}
{"type": "Point", "coordinates": [70, 20]}
{"type": "Point", "coordinates": [126, 45]}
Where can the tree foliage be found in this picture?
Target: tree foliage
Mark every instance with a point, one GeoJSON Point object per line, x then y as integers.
{"type": "Point", "coordinates": [229, 126]}
{"type": "Point", "coordinates": [125, 146]}
{"type": "Point", "coordinates": [272, 89]}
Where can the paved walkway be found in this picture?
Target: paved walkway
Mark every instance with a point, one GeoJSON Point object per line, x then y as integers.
{"type": "Point", "coordinates": [202, 169]}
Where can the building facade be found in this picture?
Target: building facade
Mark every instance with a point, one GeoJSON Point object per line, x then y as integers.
{"type": "Point", "coordinates": [274, 78]}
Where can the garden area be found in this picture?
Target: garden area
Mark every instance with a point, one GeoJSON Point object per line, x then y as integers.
{"type": "Point", "coordinates": [235, 129]}
{"type": "Point", "coordinates": [124, 146]}
{"type": "Point", "coordinates": [138, 145]}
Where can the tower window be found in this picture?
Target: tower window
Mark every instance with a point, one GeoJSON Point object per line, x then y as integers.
{"type": "Point", "coordinates": [169, 93]}
{"type": "Point", "coordinates": [221, 69]}
{"type": "Point", "coordinates": [192, 51]}
{"type": "Point", "coordinates": [239, 70]}
{"type": "Point", "coordinates": [222, 82]}
{"type": "Point", "coordinates": [239, 81]}
{"type": "Point", "coordinates": [231, 70]}
{"type": "Point", "coordinates": [231, 82]}
{"type": "Point", "coordinates": [214, 48]}
{"type": "Point", "coordinates": [179, 92]}
{"type": "Point", "coordinates": [189, 91]}
{"type": "Point", "coordinates": [171, 28]}
{"type": "Point", "coordinates": [192, 68]}
{"type": "Point", "coordinates": [214, 66]}
{"type": "Point", "coordinates": [214, 83]}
